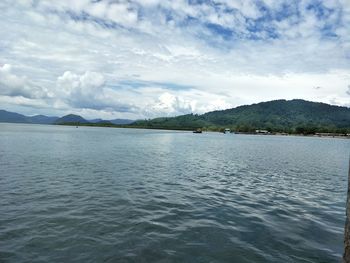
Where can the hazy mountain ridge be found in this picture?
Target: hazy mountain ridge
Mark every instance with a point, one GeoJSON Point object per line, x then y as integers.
{"type": "Point", "coordinates": [13, 117]}
{"type": "Point", "coordinates": [42, 119]}
{"type": "Point", "coordinates": [114, 121]}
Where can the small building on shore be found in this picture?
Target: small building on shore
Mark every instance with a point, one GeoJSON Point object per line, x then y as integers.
{"type": "Point", "coordinates": [262, 132]}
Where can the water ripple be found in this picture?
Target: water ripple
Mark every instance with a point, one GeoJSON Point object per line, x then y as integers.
{"type": "Point", "coordinates": [119, 195]}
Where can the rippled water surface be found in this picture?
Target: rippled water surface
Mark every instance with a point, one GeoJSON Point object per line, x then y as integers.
{"type": "Point", "coordinates": [128, 195]}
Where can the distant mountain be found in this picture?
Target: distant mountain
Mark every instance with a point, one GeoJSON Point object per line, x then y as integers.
{"type": "Point", "coordinates": [6, 116]}
{"type": "Point", "coordinates": [42, 119]}
{"type": "Point", "coordinates": [71, 119]}
{"type": "Point", "coordinates": [12, 117]}
{"type": "Point", "coordinates": [95, 120]}
{"type": "Point", "coordinates": [298, 116]}
{"type": "Point", "coordinates": [121, 121]}
{"type": "Point", "coordinates": [115, 121]}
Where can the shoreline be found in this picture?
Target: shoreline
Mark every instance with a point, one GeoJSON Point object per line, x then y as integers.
{"type": "Point", "coordinates": [317, 135]}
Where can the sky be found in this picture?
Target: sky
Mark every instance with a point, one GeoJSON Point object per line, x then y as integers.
{"type": "Point", "coordinates": [140, 59]}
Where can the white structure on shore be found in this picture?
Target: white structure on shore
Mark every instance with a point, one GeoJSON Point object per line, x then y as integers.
{"type": "Point", "coordinates": [262, 132]}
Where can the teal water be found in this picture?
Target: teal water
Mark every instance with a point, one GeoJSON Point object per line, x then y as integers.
{"type": "Point", "coordinates": [132, 195]}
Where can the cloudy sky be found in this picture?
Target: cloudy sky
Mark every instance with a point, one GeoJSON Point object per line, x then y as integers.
{"type": "Point", "coordinates": [147, 58]}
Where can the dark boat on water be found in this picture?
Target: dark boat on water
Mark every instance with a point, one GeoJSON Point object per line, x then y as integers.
{"type": "Point", "coordinates": [197, 131]}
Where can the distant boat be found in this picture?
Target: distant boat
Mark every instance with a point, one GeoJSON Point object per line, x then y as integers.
{"type": "Point", "coordinates": [197, 131]}
{"type": "Point", "coordinates": [227, 130]}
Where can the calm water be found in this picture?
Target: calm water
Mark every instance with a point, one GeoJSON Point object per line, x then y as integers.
{"type": "Point", "coordinates": [127, 195]}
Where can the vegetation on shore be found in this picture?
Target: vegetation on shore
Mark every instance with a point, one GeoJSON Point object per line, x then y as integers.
{"type": "Point", "coordinates": [292, 117]}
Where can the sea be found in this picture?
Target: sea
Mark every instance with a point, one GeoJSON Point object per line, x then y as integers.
{"type": "Point", "coordinates": [91, 194]}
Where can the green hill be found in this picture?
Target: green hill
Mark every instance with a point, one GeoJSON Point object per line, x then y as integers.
{"type": "Point", "coordinates": [294, 116]}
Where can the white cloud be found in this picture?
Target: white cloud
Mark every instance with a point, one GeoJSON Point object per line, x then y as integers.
{"type": "Point", "coordinates": [169, 105]}
{"type": "Point", "coordinates": [73, 85]}
{"type": "Point", "coordinates": [218, 104]}
{"type": "Point", "coordinates": [74, 55]}
{"type": "Point", "coordinates": [88, 91]}
{"type": "Point", "coordinates": [18, 86]}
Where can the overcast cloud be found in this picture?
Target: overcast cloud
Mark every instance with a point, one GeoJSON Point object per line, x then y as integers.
{"type": "Point", "coordinates": [149, 58]}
